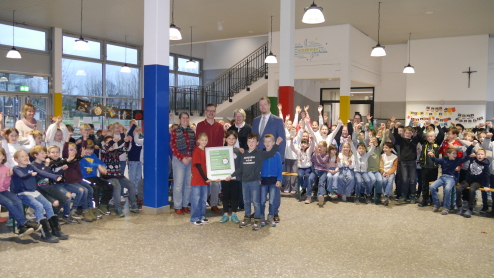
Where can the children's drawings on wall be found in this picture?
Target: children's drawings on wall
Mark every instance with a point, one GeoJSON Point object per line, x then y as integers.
{"type": "Point", "coordinates": [467, 115]}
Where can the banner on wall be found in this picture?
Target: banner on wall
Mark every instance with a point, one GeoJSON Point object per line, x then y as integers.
{"type": "Point", "coordinates": [98, 109]}
{"type": "Point", "coordinates": [310, 49]}
{"type": "Point", "coordinates": [467, 115]}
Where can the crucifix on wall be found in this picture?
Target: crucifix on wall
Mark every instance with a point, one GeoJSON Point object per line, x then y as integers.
{"type": "Point", "coordinates": [469, 73]}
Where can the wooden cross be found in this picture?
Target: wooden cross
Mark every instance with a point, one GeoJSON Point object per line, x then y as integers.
{"type": "Point", "coordinates": [469, 73]}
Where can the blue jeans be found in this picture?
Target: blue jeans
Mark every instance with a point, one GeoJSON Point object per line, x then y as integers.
{"type": "Point", "coordinates": [376, 180]}
{"type": "Point", "coordinates": [135, 172]}
{"type": "Point", "coordinates": [332, 181]}
{"type": "Point", "coordinates": [87, 197]}
{"type": "Point", "coordinates": [321, 188]}
{"type": "Point", "coordinates": [38, 204]}
{"type": "Point", "coordinates": [346, 181]}
{"type": "Point", "coordinates": [252, 195]}
{"type": "Point", "coordinates": [66, 207]}
{"type": "Point", "coordinates": [119, 183]}
{"type": "Point", "coordinates": [14, 206]}
{"type": "Point", "coordinates": [181, 183]}
{"type": "Point", "coordinates": [362, 183]}
{"type": "Point", "coordinates": [271, 189]}
{"type": "Point", "coordinates": [198, 198]}
{"type": "Point", "coordinates": [303, 177]}
{"type": "Point", "coordinates": [449, 181]}
{"type": "Point", "coordinates": [387, 184]}
{"type": "Point", "coordinates": [277, 200]}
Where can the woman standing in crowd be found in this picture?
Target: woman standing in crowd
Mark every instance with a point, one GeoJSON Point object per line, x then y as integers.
{"type": "Point", "coordinates": [27, 124]}
{"type": "Point", "coordinates": [182, 143]}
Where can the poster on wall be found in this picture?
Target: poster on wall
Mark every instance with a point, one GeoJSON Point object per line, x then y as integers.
{"type": "Point", "coordinates": [83, 105]}
{"type": "Point", "coordinates": [467, 115]}
{"type": "Point", "coordinates": [99, 109]}
{"type": "Point", "coordinates": [311, 50]}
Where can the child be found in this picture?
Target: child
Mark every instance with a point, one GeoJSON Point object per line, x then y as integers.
{"type": "Point", "coordinates": [270, 181]}
{"type": "Point", "coordinates": [320, 162]}
{"type": "Point", "coordinates": [134, 156]}
{"type": "Point", "coordinates": [56, 133]}
{"type": "Point", "coordinates": [199, 182]}
{"type": "Point", "coordinates": [388, 164]}
{"type": "Point", "coordinates": [363, 182]}
{"type": "Point", "coordinates": [250, 174]}
{"type": "Point", "coordinates": [90, 164]}
{"type": "Point", "coordinates": [346, 178]}
{"type": "Point", "coordinates": [332, 175]}
{"type": "Point", "coordinates": [10, 145]}
{"type": "Point", "coordinates": [375, 175]}
{"type": "Point", "coordinates": [12, 202]}
{"type": "Point", "coordinates": [24, 185]}
{"type": "Point", "coordinates": [477, 176]}
{"type": "Point", "coordinates": [304, 163]}
{"type": "Point", "coordinates": [231, 188]}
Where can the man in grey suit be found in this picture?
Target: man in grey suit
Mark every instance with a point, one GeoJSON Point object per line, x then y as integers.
{"type": "Point", "coordinates": [268, 123]}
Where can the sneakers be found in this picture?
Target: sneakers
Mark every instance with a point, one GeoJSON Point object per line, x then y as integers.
{"type": "Point", "coordinates": [119, 212]}
{"type": "Point", "coordinates": [302, 193]}
{"type": "Point", "coordinates": [484, 209]}
{"type": "Point", "coordinates": [276, 218]}
{"type": "Point", "coordinates": [69, 220]}
{"type": "Point", "coordinates": [139, 204]}
{"type": "Point", "coordinates": [462, 208]}
{"type": "Point", "coordinates": [402, 200]}
{"type": "Point", "coordinates": [215, 209]}
{"type": "Point", "coordinates": [205, 221]}
{"type": "Point", "coordinates": [445, 211]}
{"type": "Point", "coordinates": [104, 209]}
{"type": "Point", "coordinates": [343, 197]}
{"type": "Point", "coordinates": [256, 226]}
{"type": "Point", "coordinates": [246, 222]}
{"type": "Point", "coordinates": [293, 192]}
{"type": "Point", "coordinates": [308, 200]}
{"type": "Point", "coordinates": [197, 223]}
{"type": "Point", "coordinates": [413, 200]}
{"type": "Point", "coordinates": [386, 200]}
{"type": "Point", "coordinates": [368, 199]}
{"type": "Point", "coordinates": [435, 208]}
{"type": "Point", "coordinates": [468, 214]}
{"type": "Point", "coordinates": [37, 227]}
{"type": "Point", "coordinates": [97, 213]}
{"type": "Point", "coordinates": [320, 199]}
{"type": "Point", "coordinates": [271, 221]}
{"type": "Point", "coordinates": [357, 201]}
{"type": "Point", "coordinates": [75, 214]}
{"type": "Point", "coordinates": [332, 195]}
{"type": "Point", "coordinates": [286, 191]}
{"type": "Point", "coordinates": [235, 218]}
{"type": "Point", "coordinates": [134, 208]}
{"type": "Point", "coordinates": [24, 230]}
{"type": "Point", "coordinates": [185, 209]}
{"type": "Point", "coordinates": [263, 222]}
{"type": "Point", "coordinates": [179, 211]}
{"type": "Point", "coordinates": [225, 219]}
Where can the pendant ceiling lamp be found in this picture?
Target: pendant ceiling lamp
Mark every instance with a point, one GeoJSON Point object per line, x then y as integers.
{"type": "Point", "coordinates": [174, 30]}
{"type": "Point", "coordinates": [4, 79]}
{"type": "Point", "coordinates": [409, 68]}
{"type": "Point", "coordinates": [313, 14]}
{"type": "Point", "coordinates": [191, 64]}
{"type": "Point", "coordinates": [378, 50]}
{"type": "Point", "coordinates": [80, 73]}
{"type": "Point", "coordinates": [13, 53]}
{"type": "Point", "coordinates": [271, 58]}
{"type": "Point", "coordinates": [81, 44]}
{"type": "Point", "coordinates": [125, 67]}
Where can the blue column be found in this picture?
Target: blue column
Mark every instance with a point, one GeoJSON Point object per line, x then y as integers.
{"type": "Point", "coordinates": [156, 105]}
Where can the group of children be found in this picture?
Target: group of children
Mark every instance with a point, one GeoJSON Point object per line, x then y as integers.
{"type": "Point", "coordinates": [44, 176]}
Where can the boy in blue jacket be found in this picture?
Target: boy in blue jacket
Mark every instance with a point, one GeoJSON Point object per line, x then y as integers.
{"type": "Point", "coordinates": [271, 177]}
{"type": "Point", "coordinates": [448, 177]}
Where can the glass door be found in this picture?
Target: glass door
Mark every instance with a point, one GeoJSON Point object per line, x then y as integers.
{"type": "Point", "coordinates": [11, 106]}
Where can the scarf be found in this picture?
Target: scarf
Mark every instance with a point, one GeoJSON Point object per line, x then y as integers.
{"type": "Point", "coordinates": [30, 125]}
{"type": "Point", "coordinates": [184, 147]}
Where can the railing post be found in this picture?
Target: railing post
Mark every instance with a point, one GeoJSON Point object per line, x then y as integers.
{"type": "Point", "coordinates": [190, 101]}
{"type": "Point", "coordinates": [175, 97]}
{"type": "Point", "coordinates": [247, 81]}
{"type": "Point", "coordinates": [230, 86]}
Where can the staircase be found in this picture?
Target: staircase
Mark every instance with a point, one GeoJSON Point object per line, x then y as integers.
{"type": "Point", "coordinates": [235, 84]}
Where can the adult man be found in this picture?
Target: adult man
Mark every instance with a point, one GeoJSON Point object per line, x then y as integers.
{"type": "Point", "coordinates": [270, 124]}
{"type": "Point", "coordinates": [215, 133]}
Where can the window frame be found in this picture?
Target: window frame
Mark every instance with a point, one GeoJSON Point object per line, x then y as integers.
{"type": "Point", "coordinates": [175, 70]}
{"type": "Point", "coordinates": [48, 42]}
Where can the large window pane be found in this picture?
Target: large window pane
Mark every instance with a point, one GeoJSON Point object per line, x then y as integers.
{"type": "Point", "coordinates": [26, 38]}
{"type": "Point", "coordinates": [187, 80]}
{"type": "Point", "coordinates": [93, 52]}
{"type": "Point", "coordinates": [74, 117]}
{"type": "Point", "coordinates": [181, 66]}
{"type": "Point", "coordinates": [81, 78]}
{"type": "Point", "coordinates": [11, 82]}
{"type": "Point", "coordinates": [121, 84]}
{"type": "Point", "coordinates": [117, 53]}
{"type": "Point", "coordinates": [171, 63]}
{"type": "Point", "coordinates": [171, 79]}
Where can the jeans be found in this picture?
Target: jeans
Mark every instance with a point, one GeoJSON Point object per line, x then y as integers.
{"type": "Point", "coordinates": [86, 202]}
{"type": "Point", "coordinates": [135, 172]}
{"type": "Point", "coordinates": [303, 177]}
{"type": "Point", "coordinates": [321, 188]}
{"type": "Point", "coordinates": [363, 183]}
{"type": "Point", "coordinates": [449, 181]}
{"type": "Point", "coordinates": [291, 182]}
{"type": "Point", "coordinates": [408, 186]}
{"type": "Point", "coordinates": [38, 204]}
{"type": "Point", "coordinates": [215, 192]}
{"type": "Point", "coordinates": [277, 200]}
{"type": "Point", "coordinates": [198, 198]}
{"type": "Point", "coordinates": [66, 207]}
{"type": "Point", "coordinates": [387, 184]}
{"type": "Point", "coordinates": [346, 181]}
{"type": "Point", "coordinates": [181, 183]}
{"type": "Point", "coordinates": [377, 180]}
{"type": "Point", "coordinates": [332, 181]}
{"type": "Point", "coordinates": [14, 206]}
{"type": "Point", "coordinates": [252, 195]}
{"type": "Point", "coordinates": [52, 194]}
{"type": "Point", "coordinates": [265, 190]}
{"type": "Point", "coordinates": [119, 183]}
{"type": "Point", "coordinates": [81, 195]}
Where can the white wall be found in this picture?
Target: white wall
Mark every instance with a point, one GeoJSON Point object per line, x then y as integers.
{"type": "Point", "coordinates": [490, 71]}
{"type": "Point", "coordinates": [393, 80]}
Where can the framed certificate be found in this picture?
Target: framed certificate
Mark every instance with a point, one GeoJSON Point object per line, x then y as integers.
{"type": "Point", "coordinates": [219, 162]}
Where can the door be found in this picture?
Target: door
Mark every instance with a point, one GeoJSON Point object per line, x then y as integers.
{"type": "Point", "coordinates": [11, 106]}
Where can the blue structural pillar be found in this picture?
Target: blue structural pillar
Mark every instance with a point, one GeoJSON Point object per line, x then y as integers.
{"type": "Point", "coordinates": [156, 105]}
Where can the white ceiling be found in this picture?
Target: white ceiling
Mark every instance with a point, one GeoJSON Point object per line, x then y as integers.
{"type": "Point", "coordinates": [222, 19]}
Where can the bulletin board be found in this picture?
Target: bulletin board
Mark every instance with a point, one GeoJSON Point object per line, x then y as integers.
{"type": "Point", "coordinates": [467, 115]}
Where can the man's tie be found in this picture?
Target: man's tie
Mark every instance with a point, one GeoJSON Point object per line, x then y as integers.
{"type": "Point", "coordinates": [263, 125]}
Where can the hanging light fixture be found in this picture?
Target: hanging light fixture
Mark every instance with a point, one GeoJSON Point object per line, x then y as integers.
{"type": "Point", "coordinates": [13, 53]}
{"type": "Point", "coordinates": [271, 58]}
{"type": "Point", "coordinates": [191, 64]}
{"type": "Point", "coordinates": [125, 67]}
{"type": "Point", "coordinates": [81, 73]}
{"type": "Point", "coordinates": [408, 68]}
{"type": "Point", "coordinates": [378, 50]}
{"type": "Point", "coordinates": [174, 30]}
{"type": "Point", "coordinates": [4, 79]}
{"type": "Point", "coordinates": [81, 44]}
{"type": "Point", "coordinates": [313, 14]}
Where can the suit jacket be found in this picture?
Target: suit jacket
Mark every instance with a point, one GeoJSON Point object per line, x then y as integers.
{"type": "Point", "coordinates": [273, 126]}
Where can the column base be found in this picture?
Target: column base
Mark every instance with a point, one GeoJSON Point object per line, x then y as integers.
{"type": "Point", "coordinates": [159, 210]}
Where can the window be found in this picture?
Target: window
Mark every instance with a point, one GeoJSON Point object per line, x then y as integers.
{"type": "Point", "coordinates": [121, 84]}
{"type": "Point", "coordinates": [117, 53]}
{"type": "Point", "coordinates": [187, 80]}
{"type": "Point", "coordinates": [93, 52]}
{"type": "Point", "coordinates": [25, 38]}
{"type": "Point", "coordinates": [11, 82]}
{"type": "Point", "coordinates": [182, 76]}
{"type": "Point", "coordinates": [182, 62]}
{"type": "Point", "coordinates": [81, 78]}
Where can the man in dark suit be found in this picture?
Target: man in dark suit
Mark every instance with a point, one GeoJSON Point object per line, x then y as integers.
{"type": "Point", "coordinates": [268, 123]}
